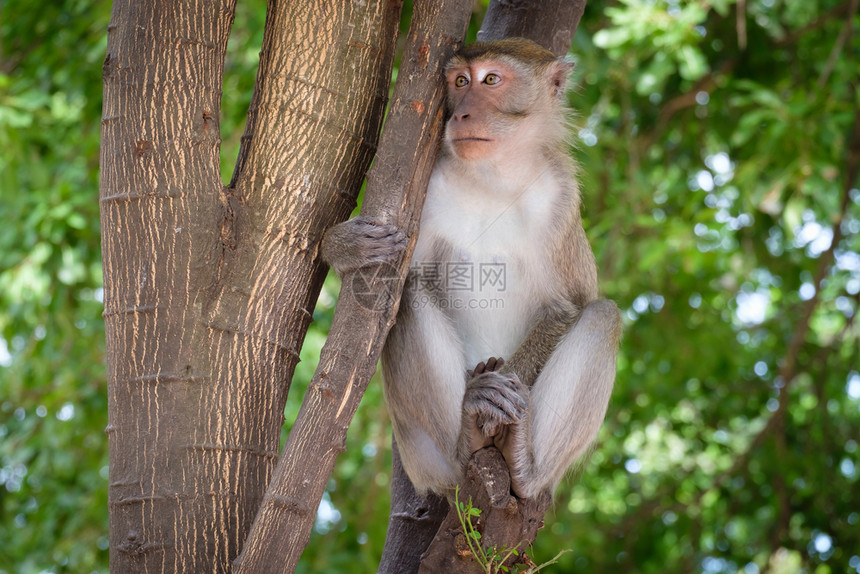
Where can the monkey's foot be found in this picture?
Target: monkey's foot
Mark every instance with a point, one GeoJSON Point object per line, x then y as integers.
{"type": "Point", "coordinates": [495, 400]}
{"type": "Point", "coordinates": [492, 364]}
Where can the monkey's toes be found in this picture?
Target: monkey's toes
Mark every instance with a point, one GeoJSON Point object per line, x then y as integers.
{"type": "Point", "coordinates": [493, 363]}
{"type": "Point", "coordinates": [491, 429]}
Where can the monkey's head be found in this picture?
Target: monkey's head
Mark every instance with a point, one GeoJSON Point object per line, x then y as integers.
{"type": "Point", "coordinates": [504, 97]}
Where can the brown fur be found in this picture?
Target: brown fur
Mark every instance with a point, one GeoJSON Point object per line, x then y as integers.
{"type": "Point", "coordinates": [518, 48]}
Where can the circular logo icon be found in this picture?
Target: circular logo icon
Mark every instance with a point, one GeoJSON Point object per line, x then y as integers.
{"type": "Point", "coordinates": [374, 287]}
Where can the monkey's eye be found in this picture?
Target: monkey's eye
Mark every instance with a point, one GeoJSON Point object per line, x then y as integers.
{"type": "Point", "coordinates": [492, 79]}
{"type": "Point", "coordinates": [461, 81]}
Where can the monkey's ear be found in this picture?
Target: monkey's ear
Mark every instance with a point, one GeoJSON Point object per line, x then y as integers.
{"type": "Point", "coordinates": [559, 74]}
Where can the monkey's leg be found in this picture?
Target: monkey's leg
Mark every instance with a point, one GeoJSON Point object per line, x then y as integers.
{"type": "Point", "coordinates": [567, 403]}
{"type": "Point", "coordinates": [425, 378]}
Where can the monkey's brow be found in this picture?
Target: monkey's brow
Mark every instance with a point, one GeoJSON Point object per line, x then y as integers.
{"type": "Point", "coordinates": [507, 207]}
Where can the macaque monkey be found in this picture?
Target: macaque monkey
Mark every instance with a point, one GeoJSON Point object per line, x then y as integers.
{"type": "Point", "coordinates": [500, 338]}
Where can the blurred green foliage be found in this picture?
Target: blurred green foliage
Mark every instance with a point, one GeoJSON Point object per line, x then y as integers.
{"type": "Point", "coordinates": [714, 154]}
{"type": "Point", "coordinates": [53, 455]}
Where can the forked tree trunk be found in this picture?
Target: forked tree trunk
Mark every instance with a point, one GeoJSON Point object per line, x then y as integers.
{"type": "Point", "coordinates": [209, 289]}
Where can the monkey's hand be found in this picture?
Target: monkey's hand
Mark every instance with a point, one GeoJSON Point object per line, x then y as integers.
{"type": "Point", "coordinates": [360, 242]}
{"type": "Point", "coordinates": [492, 401]}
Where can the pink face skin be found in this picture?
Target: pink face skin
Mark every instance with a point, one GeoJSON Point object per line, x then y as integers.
{"type": "Point", "coordinates": [477, 94]}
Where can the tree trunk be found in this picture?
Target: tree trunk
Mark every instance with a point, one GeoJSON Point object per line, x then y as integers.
{"type": "Point", "coordinates": [209, 289]}
{"type": "Point", "coordinates": [552, 24]}
{"type": "Point", "coordinates": [413, 521]}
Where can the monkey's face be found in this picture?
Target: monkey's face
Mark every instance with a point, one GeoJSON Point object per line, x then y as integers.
{"type": "Point", "coordinates": [490, 101]}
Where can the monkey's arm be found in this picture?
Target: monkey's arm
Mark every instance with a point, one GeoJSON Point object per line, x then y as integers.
{"type": "Point", "coordinates": [533, 353]}
{"type": "Point", "coordinates": [423, 371]}
{"type": "Point", "coordinates": [566, 404]}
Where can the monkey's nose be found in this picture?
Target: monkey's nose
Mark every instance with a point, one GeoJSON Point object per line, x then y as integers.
{"type": "Point", "coordinates": [460, 117]}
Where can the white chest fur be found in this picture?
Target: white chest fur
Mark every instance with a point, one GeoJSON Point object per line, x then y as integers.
{"type": "Point", "coordinates": [497, 274]}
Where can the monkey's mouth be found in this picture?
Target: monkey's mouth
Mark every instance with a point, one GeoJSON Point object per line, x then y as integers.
{"type": "Point", "coordinates": [471, 139]}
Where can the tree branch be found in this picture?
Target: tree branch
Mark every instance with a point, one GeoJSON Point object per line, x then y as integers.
{"type": "Point", "coordinates": [838, 12]}
{"type": "Point", "coordinates": [285, 192]}
{"type": "Point", "coordinates": [395, 194]}
{"type": "Point", "coordinates": [505, 521]}
{"type": "Point", "coordinates": [412, 524]}
{"type": "Point", "coordinates": [158, 138]}
{"type": "Point", "coordinates": [839, 45]}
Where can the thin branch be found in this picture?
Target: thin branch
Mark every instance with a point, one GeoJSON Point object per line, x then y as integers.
{"type": "Point", "coordinates": [741, 24]}
{"type": "Point", "coordinates": [843, 38]}
{"type": "Point", "coordinates": [706, 83]}
{"type": "Point", "coordinates": [837, 12]}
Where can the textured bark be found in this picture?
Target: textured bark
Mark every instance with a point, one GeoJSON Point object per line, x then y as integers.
{"type": "Point", "coordinates": [505, 521]}
{"type": "Point", "coordinates": [414, 521]}
{"type": "Point", "coordinates": [550, 23]}
{"type": "Point", "coordinates": [394, 195]}
{"type": "Point", "coordinates": [160, 217]}
{"type": "Point", "coordinates": [209, 289]}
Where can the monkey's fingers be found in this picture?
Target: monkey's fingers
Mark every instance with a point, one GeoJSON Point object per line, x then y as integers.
{"type": "Point", "coordinates": [383, 250]}
{"type": "Point", "coordinates": [398, 239]}
{"type": "Point", "coordinates": [502, 389]}
{"type": "Point", "coordinates": [376, 231]}
{"type": "Point", "coordinates": [492, 364]}
{"type": "Point", "coordinates": [493, 404]}
{"type": "Point", "coordinates": [512, 389]}
{"type": "Point", "coordinates": [512, 381]}
{"type": "Point", "coordinates": [386, 244]}
{"type": "Point", "coordinates": [487, 413]}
